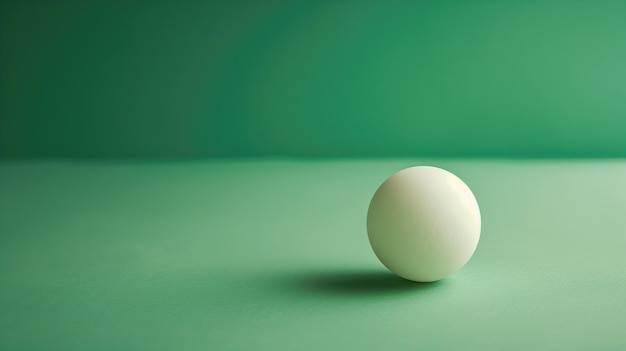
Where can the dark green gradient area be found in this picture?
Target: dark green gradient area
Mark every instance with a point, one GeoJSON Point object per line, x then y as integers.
{"type": "Point", "coordinates": [327, 79]}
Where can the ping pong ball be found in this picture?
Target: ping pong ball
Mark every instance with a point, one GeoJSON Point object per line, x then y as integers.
{"type": "Point", "coordinates": [423, 223]}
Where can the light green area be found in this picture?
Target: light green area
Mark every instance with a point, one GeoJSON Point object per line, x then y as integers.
{"type": "Point", "coordinates": [187, 78]}
{"type": "Point", "coordinates": [273, 255]}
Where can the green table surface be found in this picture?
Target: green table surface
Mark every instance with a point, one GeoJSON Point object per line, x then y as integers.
{"type": "Point", "coordinates": [273, 255]}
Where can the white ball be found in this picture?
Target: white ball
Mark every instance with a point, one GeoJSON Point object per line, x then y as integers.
{"type": "Point", "coordinates": [423, 223]}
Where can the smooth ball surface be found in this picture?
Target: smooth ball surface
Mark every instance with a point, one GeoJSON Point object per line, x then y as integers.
{"type": "Point", "coordinates": [423, 223]}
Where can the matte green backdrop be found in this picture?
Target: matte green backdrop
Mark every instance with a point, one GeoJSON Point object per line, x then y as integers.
{"type": "Point", "coordinates": [337, 78]}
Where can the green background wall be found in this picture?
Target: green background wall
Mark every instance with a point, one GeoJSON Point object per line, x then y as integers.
{"type": "Point", "coordinates": [338, 78]}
